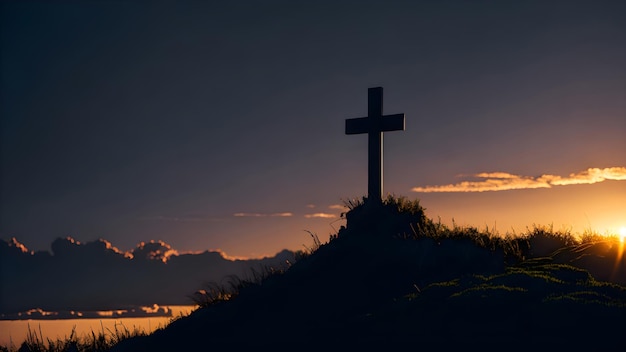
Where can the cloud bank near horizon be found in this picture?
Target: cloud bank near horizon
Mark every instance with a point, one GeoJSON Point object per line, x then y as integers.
{"type": "Point", "coordinates": [96, 275]}
{"type": "Point", "coordinates": [504, 181]}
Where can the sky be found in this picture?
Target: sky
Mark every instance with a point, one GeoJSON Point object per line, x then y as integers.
{"type": "Point", "coordinates": [220, 125]}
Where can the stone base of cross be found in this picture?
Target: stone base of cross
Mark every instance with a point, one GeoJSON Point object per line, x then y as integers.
{"type": "Point", "coordinates": [374, 125]}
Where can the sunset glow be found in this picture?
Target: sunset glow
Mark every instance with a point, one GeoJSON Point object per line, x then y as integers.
{"type": "Point", "coordinates": [240, 158]}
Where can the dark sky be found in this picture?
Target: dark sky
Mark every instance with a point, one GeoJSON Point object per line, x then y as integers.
{"type": "Point", "coordinates": [220, 125]}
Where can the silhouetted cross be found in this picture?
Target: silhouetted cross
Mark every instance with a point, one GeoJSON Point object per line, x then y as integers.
{"type": "Point", "coordinates": [374, 125]}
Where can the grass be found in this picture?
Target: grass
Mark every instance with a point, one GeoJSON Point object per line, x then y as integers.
{"type": "Point", "coordinates": [232, 285]}
{"type": "Point", "coordinates": [392, 274]}
{"type": "Point", "coordinates": [102, 341]}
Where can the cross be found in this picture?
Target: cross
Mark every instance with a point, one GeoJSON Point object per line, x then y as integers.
{"type": "Point", "coordinates": [374, 125]}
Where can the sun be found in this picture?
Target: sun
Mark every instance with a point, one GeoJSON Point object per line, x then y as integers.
{"type": "Point", "coordinates": [622, 233]}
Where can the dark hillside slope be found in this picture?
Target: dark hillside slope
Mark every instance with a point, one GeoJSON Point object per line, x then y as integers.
{"type": "Point", "coordinates": [379, 286]}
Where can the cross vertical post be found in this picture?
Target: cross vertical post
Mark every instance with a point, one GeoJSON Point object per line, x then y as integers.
{"type": "Point", "coordinates": [375, 146]}
{"type": "Point", "coordinates": [374, 125]}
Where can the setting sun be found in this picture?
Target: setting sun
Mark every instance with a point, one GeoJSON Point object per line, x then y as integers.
{"type": "Point", "coordinates": [622, 233]}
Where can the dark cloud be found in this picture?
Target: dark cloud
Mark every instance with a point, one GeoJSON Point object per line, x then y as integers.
{"type": "Point", "coordinates": [12, 247]}
{"type": "Point", "coordinates": [136, 312]}
{"type": "Point", "coordinates": [97, 276]}
{"type": "Point", "coordinates": [158, 250]}
{"type": "Point", "coordinates": [68, 246]}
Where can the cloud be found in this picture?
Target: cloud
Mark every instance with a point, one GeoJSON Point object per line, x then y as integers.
{"type": "Point", "coordinates": [320, 215]}
{"type": "Point", "coordinates": [154, 250]}
{"type": "Point", "coordinates": [337, 207]}
{"type": "Point", "coordinates": [502, 181]}
{"type": "Point", "coordinates": [70, 247]}
{"type": "Point", "coordinates": [13, 246]}
{"type": "Point", "coordinates": [262, 215]}
{"type": "Point", "coordinates": [135, 312]}
{"type": "Point", "coordinates": [95, 275]}
{"type": "Point", "coordinates": [592, 175]}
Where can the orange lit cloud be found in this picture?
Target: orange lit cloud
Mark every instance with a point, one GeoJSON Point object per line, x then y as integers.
{"type": "Point", "coordinates": [503, 181]}
{"type": "Point", "coordinates": [337, 207]}
{"type": "Point", "coordinates": [320, 215]}
{"type": "Point", "coordinates": [155, 250]}
{"type": "Point", "coordinates": [17, 246]}
{"type": "Point", "coordinates": [231, 258]}
{"type": "Point", "coordinates": [260, 215]}
{"type": "Point", "coordinates": [593, 175]}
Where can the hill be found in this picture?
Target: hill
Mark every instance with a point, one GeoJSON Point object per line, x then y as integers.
{"type": "Point", "coordinates": [395, 279]}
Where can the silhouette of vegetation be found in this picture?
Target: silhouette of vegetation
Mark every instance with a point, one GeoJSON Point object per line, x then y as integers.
{"type": "Point", "coordinates": [214, 293]}
{"type": "Point", "coordinates": [393, 278]}
{"type": "Point", "coordinates": [102, 341]}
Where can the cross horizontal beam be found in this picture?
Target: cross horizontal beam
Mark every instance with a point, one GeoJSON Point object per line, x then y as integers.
{"type": "Point", "coordinates": [362, 125]}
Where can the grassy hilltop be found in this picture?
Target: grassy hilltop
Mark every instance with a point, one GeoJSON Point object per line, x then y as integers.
{"type": "Point", "coordinates": [395, 279]}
